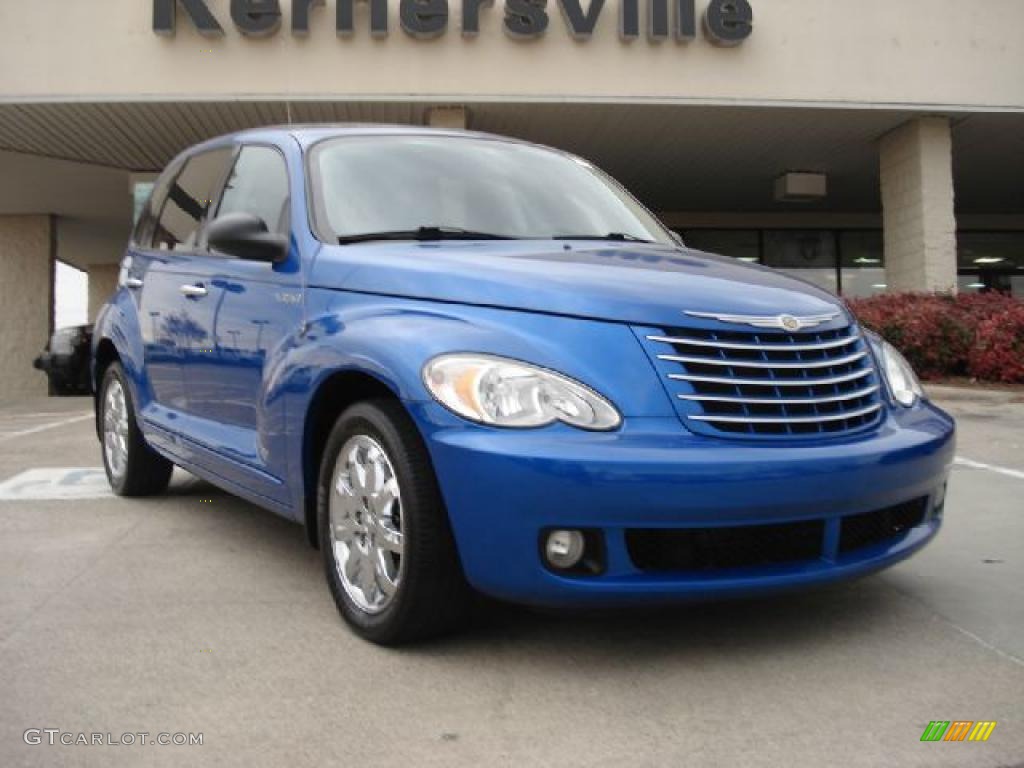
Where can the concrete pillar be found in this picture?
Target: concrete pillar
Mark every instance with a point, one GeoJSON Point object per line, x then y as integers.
{"type": "Point", "coordinates": [27, 247]}
{"type": "Point", "coordinates": [102, 284]}
{"type": "Point", "coordinates": [452, 118]}
{"type": "Point", "coordinates": [916, 163]}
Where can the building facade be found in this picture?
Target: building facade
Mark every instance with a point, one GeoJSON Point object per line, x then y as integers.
{"type": "Point", "coordinates": [869, 147]}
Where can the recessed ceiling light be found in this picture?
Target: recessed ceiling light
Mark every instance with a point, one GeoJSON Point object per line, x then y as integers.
{"type": "Point", "coordinates": [989, 260]}
{"type": "Point", "coordinates": [801, 187]}
{"type": "Point", "coordinates": [865, 260]}
{"type": "Point", "coordinates": [880, 285]}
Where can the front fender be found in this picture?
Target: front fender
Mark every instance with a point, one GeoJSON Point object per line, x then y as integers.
{"type": "Point", "coordinates": [391, 338]}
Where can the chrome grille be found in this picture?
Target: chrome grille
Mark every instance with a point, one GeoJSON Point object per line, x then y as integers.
{"type": "Point", "coordinates": [768, 383]}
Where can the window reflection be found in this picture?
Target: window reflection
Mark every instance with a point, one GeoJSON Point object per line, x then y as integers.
{"type": "Point", "coordinates": [854, 261]}
{"type": "Point", "coordinates": [809, 254]}
{"type": "Point", "coordinates": [742, 244]}
{"type": "Point", "coordinates": [991, 261]}
{"type": "Point", "coordinates": [862, 267]}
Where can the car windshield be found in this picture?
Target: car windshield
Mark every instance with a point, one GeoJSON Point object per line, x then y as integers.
{"type": "Point", "coordinates": [439, 188]}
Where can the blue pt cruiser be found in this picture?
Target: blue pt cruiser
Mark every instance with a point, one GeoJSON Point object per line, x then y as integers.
{"type": "Point", "coordinates": [469, 363]}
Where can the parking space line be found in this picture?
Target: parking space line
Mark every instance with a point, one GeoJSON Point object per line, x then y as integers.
{"type": "Point", "coordinates": [985, 643]}
{"type": "Point", "coordinates": [971, 464]}
{"type": "Point", "coordinates": [44, 427]}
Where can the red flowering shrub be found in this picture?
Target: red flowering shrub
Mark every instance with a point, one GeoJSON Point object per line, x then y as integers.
{"type": "Point", "coordinates": [978, 307]}
{"type": "Point", "coordinates": [940, 334]}
{"type": "Point", "coordinates": [998, 351]}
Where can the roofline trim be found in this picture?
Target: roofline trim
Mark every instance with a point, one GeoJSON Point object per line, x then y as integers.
{"type": "Point", "coordinates": [470, 99]}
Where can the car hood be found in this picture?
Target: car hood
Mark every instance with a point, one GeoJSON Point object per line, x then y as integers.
{"type": "Point", "coordinates": [632, 283]}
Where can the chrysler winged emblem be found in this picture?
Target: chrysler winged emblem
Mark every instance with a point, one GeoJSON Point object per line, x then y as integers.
{"type": "Point", "coordinates": [790, 323]}
{"type": "Point", "coordinates": [783, 322]}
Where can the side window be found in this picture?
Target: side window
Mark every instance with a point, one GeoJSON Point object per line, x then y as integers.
{"type": "Point", "coordinates": [259, 185]}
{"type": "Point", "coordinates": [145, 227]}
{"type": "Point", "coordinates": [188, 200]}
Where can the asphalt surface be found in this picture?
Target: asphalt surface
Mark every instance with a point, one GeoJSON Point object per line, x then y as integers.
{"type": "Point", "coordinates": [197, 612]}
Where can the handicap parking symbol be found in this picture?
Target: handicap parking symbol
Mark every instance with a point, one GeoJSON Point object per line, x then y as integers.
{"type": "Point", "coordinates": [56, 483]}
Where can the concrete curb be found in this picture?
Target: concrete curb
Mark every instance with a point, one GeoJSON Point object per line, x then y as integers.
{"type": "Point", "coordinates": [973, 394]}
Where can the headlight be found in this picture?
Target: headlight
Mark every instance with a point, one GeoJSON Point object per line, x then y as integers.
{"type": "Point", "coordinates": [508, 393]}
{"type": "Point", "coordinates": [903, 383]}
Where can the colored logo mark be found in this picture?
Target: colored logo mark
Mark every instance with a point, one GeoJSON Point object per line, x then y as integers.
{"type": "Point", "coordinates": [958, 730]}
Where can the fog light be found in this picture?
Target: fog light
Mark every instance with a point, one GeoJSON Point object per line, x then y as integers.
{"type": "Point", "coordinates": [564, 549]}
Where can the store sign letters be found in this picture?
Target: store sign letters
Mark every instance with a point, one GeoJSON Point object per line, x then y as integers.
{"type": "Point", "coordinates": [725, 22]}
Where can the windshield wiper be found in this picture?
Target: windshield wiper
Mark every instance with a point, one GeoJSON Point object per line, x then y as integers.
{"type": "Point", "coordinates": [425, 234]}
{"type": "Point", "coordinates": [621, 237]}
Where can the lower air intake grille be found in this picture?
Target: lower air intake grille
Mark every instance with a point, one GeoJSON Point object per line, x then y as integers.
{"type": "Point", "coordinates": [708, 549]}
{"type": "Point", "coordinates": [704, 549]}
{"type": "Point", "coordinates": [859, 531]}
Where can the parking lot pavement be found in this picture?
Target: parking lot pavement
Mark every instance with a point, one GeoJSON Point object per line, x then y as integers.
{"type": "Point", "coordinates": [993, 421]}
{"type": "Point", "coordinates": [21, 420]}
{"type": "Point", "coordinates": [197, 612]}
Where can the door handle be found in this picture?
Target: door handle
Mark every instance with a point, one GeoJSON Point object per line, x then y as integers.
{"type": "Point", "coordinates": [133, 282]}
{"type": "Point", "coordinates": [193, 291]}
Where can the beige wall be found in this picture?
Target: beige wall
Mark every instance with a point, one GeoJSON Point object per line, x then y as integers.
{"type": "Point", "coordinates": [93, 204]}
{"type": "Point", "coordinates": [26, 299]}
{"type": "Point", "coordinates": [84, 242]}
{"type": "Point", "coordinates": [951, 53]}
{"type": "Point", "coordinates": [102, 283]}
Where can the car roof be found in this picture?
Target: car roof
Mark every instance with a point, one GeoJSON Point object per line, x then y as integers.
{"type": "Point", "coordinates": [311, 133]}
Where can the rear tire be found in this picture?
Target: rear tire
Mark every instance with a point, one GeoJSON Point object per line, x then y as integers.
{"type": "Point", "coordinates": [133, 468]}
{"type": "Point", "coordinates": [389, 555]}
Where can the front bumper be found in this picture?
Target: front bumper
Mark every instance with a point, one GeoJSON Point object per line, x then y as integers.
{"type": "Point", "coordinates": [504, 487]}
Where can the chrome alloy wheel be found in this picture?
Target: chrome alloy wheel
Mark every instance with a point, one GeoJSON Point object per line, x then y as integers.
{"type": "Point", "coordinates": [115, 428]}
{"type": "Point", "coordinates": [366, 524]}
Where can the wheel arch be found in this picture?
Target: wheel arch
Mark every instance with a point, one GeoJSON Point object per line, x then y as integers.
{"type": "Point", "coordinates": [334, 394]}
{"type": "Point", "coordinates": [106, 354]}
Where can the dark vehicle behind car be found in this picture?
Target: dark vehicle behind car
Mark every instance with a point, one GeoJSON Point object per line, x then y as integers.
{"type": "Point", "coordinates": [66, 360]}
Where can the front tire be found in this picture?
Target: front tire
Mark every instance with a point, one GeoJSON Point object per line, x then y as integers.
{"type": "Point", "coordinates": [133, 468]}
{"type": "Point", "coordinates": [389, 554]}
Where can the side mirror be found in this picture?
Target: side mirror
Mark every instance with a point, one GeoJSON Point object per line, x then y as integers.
{"type": "Point", "coordinates": [246, 237]}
